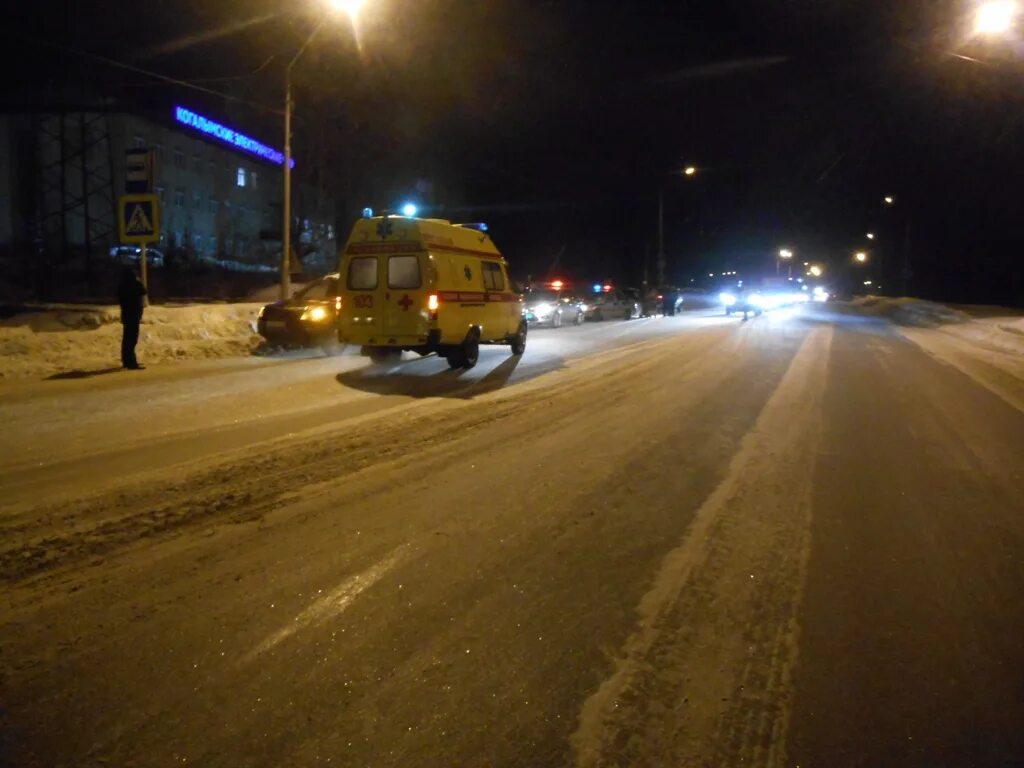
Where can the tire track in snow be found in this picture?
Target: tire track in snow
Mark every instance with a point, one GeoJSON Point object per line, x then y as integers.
{"type": "Point", "coordinates": [705, 676]}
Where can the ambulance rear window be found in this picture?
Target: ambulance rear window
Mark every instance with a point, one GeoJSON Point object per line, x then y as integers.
{"type": "Point", "coordinates": [404, 272]}
{"type": "Point", "coordinates": [493, 279]}
{"type": "Point", "coordinates": [362, 273]}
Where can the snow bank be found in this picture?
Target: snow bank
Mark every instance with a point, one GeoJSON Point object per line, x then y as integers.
{"type": "Point", "coordinates": [904, 311]}
{"type": "Point", "coordinates": [54, 339]}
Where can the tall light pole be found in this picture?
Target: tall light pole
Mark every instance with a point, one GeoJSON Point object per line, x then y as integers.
{"type": "Point", "coordinates": [785, 254]}
{"type": "Point", "coordinates": [351, 8]}
{"type": "Point", "coordinates": [689, 172]}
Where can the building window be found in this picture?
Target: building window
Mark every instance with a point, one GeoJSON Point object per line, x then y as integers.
{"type": "Point", "coordinates": [139, 141]}
{"type": "Point", "coordinates": [179, 159]}
{"type": "Point", "coordinates": [197, 163]}
{"type": "Point", "coordinates": [197, 201]}
{"type": "Point", "coordinates": [240, 177]}
{"type": "Point", "coordinates": [178, 239]}
{"type": "Point", "coordinates": [254, 179]}
{"type": "Point", "coordinates": [159, 193]}
{"type": "Point", "coordinates": [179, 198]}
{"type": "Point", "coordinates": [213, 245]}
{"type": "Point", "coordinates": [213, 205]}
{"type": "Point", "coordinates": [197, 243]}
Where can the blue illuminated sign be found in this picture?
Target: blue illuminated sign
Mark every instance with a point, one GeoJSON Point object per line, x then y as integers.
{"type": "Point", "coordinates": [229, 136]}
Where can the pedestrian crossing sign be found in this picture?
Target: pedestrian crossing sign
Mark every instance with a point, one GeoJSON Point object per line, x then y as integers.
{"type": "Point", "coordinates": [139, 218]}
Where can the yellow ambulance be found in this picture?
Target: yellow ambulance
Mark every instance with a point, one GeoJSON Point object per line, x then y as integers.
{"type": "Point", "coordinates": [427, 285]}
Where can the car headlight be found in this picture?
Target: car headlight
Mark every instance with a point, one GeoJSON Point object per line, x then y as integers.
{"type": "Point", "coordinates": [542, 310]}
{"type": "Point", "coordinates": [314, 314]}
{"type": "Point", "coordinates": [584, 308]}
{"type": "Point", "coordinates": [727, 299]}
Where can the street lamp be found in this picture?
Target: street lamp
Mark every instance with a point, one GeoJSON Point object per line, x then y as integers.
{"type": "Point", "coordinates": [871, 235]}
{"type": "Point", "coordinates": [889, 200]}
{"type": "Point", "coordinates": [351, 8]}
{"type": "Point", "coordinates": [815, 270]}
{"type": "Point", "coordinates": [689, 172]}
{"type": "Point", "coordinates": [995, 18]}
{"type": "Point", "coordinates": [860, 257]}
{"type": "Point", "coordinates": [784, 254]}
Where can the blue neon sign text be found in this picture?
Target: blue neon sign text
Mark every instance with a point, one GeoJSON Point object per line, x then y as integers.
{"type": "Point", "coordinates": [229, 136]}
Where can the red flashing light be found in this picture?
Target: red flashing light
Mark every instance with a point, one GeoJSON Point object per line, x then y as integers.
{"type": "Point", "coordinates": [556, 285]}
{"type": "Point", "coordinates": [606, 288]}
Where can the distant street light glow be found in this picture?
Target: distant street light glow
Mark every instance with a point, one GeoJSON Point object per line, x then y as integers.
{"type": "Point", "coordinates": [785, 253]}
{"type": "Point", "coordinates": [860, 256]}
{"type": "Point", "coordinates": [349, 7]}
{"type": "Point", "coordinates": [871, 235]}
{"type": "Point", "coordinates": [995, 18]}
{"type": "Point", "coordinates": [691, 170]}
{"type": "Point", "coordinates": [816, 270]}
{"type": "Point", "coordinates": [889, 199]}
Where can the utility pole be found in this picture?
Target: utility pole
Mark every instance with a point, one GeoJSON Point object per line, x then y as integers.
{"type": "Point", "coordinates": [286, 224]}
{"type": "Point", "coordinates": [661, 236]}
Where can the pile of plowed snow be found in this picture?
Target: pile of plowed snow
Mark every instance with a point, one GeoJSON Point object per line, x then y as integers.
{"type": "Point", "coordinates": [51, 339]}
{"type": "Point", "coordinates": [904, 311]}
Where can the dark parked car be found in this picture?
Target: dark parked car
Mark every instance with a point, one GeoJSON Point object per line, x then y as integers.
{"type": "Point", "coordinates": [308, 319]}
{"type": "Point", "coordinates": [129, 254]}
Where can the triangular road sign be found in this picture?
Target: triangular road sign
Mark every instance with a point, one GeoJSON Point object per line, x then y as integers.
{"type": "Point", "coordinates": [138, 222]}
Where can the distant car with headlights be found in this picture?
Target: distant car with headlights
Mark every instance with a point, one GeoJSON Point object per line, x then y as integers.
{"type": "Point", "coordinates": [614, 304]}
{"type": "Point", "coordinates": [308, 319]}
{"type": "Point", "coordinates": [555, 308]}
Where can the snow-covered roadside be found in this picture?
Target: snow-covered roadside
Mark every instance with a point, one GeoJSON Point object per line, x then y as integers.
{"type": "Point", "coordinates": [989, 348]}
{"type": "Point", "coordinates": [65, 338]}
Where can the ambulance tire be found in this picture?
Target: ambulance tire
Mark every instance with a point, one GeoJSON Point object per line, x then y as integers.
{"type": "Point", "coordinates": [470, 350]}
{"type": "Point", "coordinates": [384, 354]}
{"type": "Point", "coordinates": [518, 342]}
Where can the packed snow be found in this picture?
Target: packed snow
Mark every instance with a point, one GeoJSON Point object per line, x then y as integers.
{"type": "Point", "coordinates": [54, 339]}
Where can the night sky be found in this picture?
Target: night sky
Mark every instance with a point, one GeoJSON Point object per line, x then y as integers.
{"type": "Point", "coordinates": [558, 122]}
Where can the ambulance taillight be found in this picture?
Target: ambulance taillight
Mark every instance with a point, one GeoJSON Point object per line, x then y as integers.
{"type": "Point", "coordinates": [433, 302]}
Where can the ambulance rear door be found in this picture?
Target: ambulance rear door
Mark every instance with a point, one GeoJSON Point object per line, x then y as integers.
{"type": "Point", "coordinates": [362, 295]}
{"type": "Point", "coordinates": [405, 280]}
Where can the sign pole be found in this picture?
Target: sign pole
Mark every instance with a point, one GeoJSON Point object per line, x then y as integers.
{"type": "Point", "coordinates": [143, 267]}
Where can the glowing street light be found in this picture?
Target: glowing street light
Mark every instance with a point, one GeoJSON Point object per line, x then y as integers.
{"type": "Point", "coordinates": [871, 235]}
{"type": "Point", "coordinates": [350, 8]}
{"type": "Point", "coordinates": [889, 200]}
{"type": "Point", "coordinates": [995, 18]}
{"type": "Point", "coordinates": [785, 253]}
{"type": "Point", "coordinates": [815, 270]}
{"type": "Point", "coordinates": [860, 257]}
{"type": "Point", "coordinates": [690, 170]}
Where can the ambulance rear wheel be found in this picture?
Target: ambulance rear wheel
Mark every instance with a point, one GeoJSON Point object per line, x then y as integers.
{"type": "Point", "coordinates": [519, 340]}
{"type": "Point", "coordinates": [470, 351]}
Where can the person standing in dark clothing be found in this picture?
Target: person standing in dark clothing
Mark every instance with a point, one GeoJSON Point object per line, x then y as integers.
{"type": "Point", "coordinates": [130, 295]}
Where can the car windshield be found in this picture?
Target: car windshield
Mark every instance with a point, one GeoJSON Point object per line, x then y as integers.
{"type": "Point", "coordinates": [535, 297]}
{"type": "Point", "coordinates": [324, 288]}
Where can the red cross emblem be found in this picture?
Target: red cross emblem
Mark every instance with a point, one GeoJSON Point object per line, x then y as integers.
{"type": "Point", "coordinates": [405, 303]}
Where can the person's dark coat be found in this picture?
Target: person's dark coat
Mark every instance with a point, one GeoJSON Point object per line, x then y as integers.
{"type": "Point", "coordinates": [130, 295]}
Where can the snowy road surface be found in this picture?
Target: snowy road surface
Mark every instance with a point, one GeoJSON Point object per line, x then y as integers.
{"type": "Point", "coordinates": [676, 541]}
